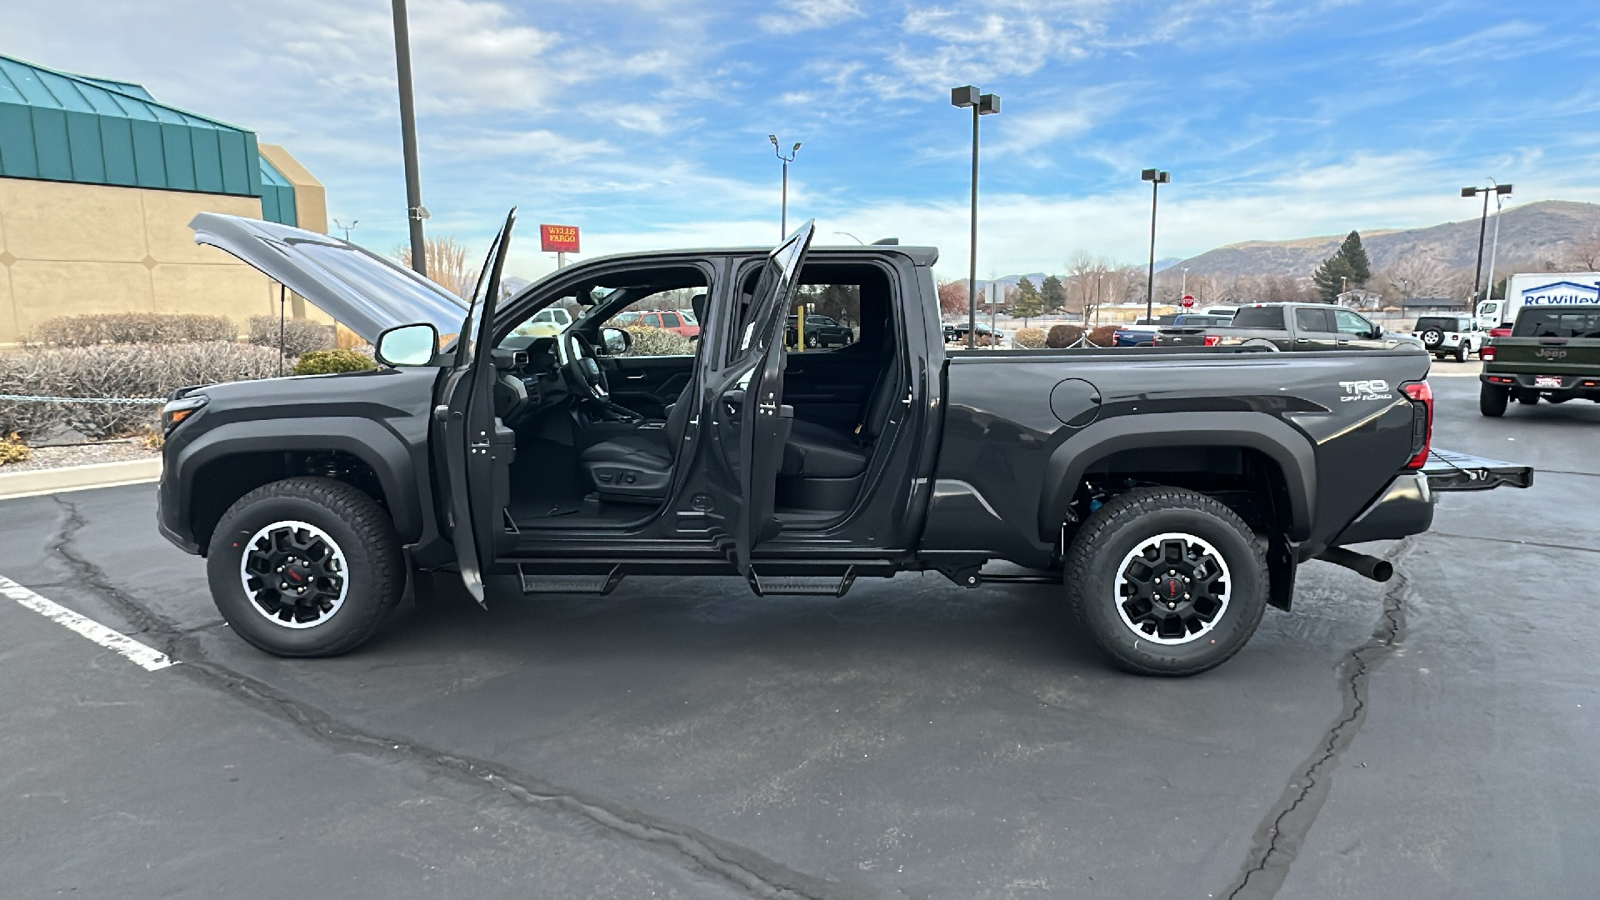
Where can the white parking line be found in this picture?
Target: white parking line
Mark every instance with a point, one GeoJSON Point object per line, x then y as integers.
{"type": "Point", "coordinates": [145, 657]}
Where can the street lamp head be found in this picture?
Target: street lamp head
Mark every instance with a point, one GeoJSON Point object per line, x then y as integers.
{"type": "Point", "coordinates": [1469, 192]}
{"type": "Point", "coordinates": [795, 148]}
{"type": "Point", "coordinates": [988, 104]}
{"type": "Point", "coordinates": [964, 96]}
{"type": "Point", "coordinates": [773, 138]}
{"type": "Point", "coordinates": [1155, 175]}
{"type": "Point", "coordinates": [1502, 189]}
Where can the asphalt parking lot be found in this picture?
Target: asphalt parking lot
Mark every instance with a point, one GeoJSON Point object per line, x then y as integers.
{"type": "Point", "coordinates": [1433, 737]}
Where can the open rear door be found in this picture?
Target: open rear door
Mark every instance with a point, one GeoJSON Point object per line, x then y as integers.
{"type": "Point", "coordinates": [478, 448]}
{"type": "Point", "coordinates": [766, 420]}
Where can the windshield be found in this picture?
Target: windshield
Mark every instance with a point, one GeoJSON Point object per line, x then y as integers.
{"type": "Point", "coordinates": [1563, 323]}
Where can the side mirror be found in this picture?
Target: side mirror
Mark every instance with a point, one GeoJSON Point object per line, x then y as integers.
{"type": "Point", "coordinates": [408, 345]}
{"type": "Point", "coordinates": [615, 341]}
{"type": "Point", "coordinates": [1377, 333]}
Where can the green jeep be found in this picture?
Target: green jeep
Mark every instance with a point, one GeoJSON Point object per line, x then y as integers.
{"type": "Point", "coordinates": [1553, 352]}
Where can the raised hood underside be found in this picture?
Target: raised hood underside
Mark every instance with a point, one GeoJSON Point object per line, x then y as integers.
{"type": "Point", "coordinates": [362, 291]}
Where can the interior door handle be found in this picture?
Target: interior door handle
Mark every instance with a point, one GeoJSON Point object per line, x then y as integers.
{"type": "Point", "coordinates": [631, 377]}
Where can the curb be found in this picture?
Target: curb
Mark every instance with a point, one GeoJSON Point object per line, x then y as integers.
{"type": "Point", "coordinates": [78, 478]}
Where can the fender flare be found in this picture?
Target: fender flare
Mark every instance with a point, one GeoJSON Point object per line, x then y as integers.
{"type": "Point", "coordinates": [381, 449]}
{"type": "Point", "coordinates": [1274, 438]}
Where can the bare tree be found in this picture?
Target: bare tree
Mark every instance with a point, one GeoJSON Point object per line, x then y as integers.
{"type": "Point", "coordinates": [952, 297]}
{"type": "Point", "coordinates": [448, 264]}
{"type": "Point", "coordinates": [1584, 255]}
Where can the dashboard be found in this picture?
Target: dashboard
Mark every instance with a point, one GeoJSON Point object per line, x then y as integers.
{"type": "Point", "coordinates": [529, 379]}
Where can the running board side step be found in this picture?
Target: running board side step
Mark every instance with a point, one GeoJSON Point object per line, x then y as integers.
{"type": "Point", "coordinates": [539, 581]}
{"type": "Point", "coordinates": [802, 585]}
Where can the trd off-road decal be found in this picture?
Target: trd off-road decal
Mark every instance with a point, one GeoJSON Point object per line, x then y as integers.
{"type": "Point", "coordinates": [1374, 389]}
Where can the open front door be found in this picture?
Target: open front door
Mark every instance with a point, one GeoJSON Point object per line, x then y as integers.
{"type": "Point", "coordinates": [765, 418]}
{"type": "Point", "coordinates": [478, 448]}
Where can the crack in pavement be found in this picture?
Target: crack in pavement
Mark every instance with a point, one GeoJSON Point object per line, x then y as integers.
{"type": "Point", "coordinates": [1283, 830]}
{"type": "Point", "coordinates": [741, 866]}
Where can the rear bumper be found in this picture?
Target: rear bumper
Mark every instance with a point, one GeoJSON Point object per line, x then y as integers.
{"type": "Point", "coordinates": [1572, 386]}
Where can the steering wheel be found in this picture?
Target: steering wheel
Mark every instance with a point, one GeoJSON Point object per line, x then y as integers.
{"type": "Point", "coordinates": [583, 372]}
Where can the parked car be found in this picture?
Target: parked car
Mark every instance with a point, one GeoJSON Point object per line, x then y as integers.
{"type": "Point", "coordinates": [983, 336]}
{"type": "Point", "coordinates": [1141, 332]}
{"type": "Point", "coordinates": [548, 322]}
{"type": "Point", "coordinates": [677, 321]}
{"type": "Point", "coordinates": [1170, 524]}
{"type": "Point", "coordinates": [1309, 326]}
{"type": "Point", "coordinates": [1553, 353]}
{"type": "Point", "coordinates": [1191, 330]}
{"type": "Point", "coordinates": [1456, 336]}
{"type": "Point", "coordinates": [821, 331]}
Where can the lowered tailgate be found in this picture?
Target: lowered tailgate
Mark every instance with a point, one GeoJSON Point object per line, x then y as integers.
{"type": "Point", "coordinates": [1448, 470]}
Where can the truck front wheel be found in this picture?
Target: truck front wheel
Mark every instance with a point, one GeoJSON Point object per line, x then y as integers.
{"type": "Point", "coordinates": [1167, 581]}
{"type": "Point", "coordinates": [305, 567]}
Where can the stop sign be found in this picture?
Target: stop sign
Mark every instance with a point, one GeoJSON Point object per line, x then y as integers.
{"type": "Point", "coordinates": [1188, 301]}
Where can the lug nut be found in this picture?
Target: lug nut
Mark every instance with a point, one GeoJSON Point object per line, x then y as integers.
{"type": "Point", "coordinates": [1172, 606]}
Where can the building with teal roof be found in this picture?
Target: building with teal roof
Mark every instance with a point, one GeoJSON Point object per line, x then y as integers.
{"type": "Point", "coordinates": [98, 180]}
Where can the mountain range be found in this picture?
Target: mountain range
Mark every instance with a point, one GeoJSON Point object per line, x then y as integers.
{"type": "Point", "coordinates": [1537, 235]}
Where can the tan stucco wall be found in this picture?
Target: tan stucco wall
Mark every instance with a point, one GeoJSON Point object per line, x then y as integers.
{"type": "Point", "coordinates": [310, 200]}
{"type": "Point", "coordinates": [71, 248]}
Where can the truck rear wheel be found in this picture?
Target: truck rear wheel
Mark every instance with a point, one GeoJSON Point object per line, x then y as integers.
{"type": "Point", "coordinates": [1492, 400]}
{"type": "Point", "coordinates": [306, 567]}
{"type": "Point", "coordinates": [1167, 581]}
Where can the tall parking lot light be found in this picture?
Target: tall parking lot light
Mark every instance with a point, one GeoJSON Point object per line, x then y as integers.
{"type": "Point", "coordinates": [415, 211]}
{"type": "Point", "coordinates": [783, 204]}
{"type": "Point", "coordinates": [1157, 178]}
{"type": "Point", "coordinates": [1483, 225]}
{"type": "Point", "coordinates": [981, 105]}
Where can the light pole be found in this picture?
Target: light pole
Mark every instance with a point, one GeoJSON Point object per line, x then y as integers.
{"type": "Point", "coordinates": [982, 105]}
{"type": "Point", "coordinates": [1157, 178]}
{"type": "Point", "coordinates": [1184, 292]}
{"type": "Point", "coordinates": [415, 211]}
{"type": "Point", "coordinates": [1494, 245]}
{"type": "Point", "coordinates": [783, 215]}
{"type": "Point", "coordinates": [346, 228]}
{"type": "Point", "coordinates": [1483, 224]}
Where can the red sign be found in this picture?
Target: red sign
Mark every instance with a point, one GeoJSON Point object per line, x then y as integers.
{"type": "Point", "coordinates": [559, 238]}
{"type": "Point", "coordinates": [1188, 301]}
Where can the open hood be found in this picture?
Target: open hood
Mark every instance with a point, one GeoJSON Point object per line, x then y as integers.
{"type": "Point", "coordinates": [360, 290]}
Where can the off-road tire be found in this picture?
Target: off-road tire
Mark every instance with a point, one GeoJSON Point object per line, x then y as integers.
{"type": "Point", "coordinates": [375, 574]}
{"type": "Point", "coordinates": [1461, 354]}
{"type": "Point", "coordinates": [1093, 572]}
{"type": "Point", "coordinates": [1492, 400]}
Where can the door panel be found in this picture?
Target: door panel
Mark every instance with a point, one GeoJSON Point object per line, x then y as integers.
{"type": "Point", "coordinates": [764, 418]}
{"type": "Point", "coordinates": [478, 447]}
{"type": "Point", "coordinates": [646, 384]}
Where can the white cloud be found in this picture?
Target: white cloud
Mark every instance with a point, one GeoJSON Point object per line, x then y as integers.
{"type": "Point", "coordinates": [808, 15]}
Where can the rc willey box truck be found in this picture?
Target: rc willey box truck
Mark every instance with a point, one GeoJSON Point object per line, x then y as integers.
{"type": "Point", "coordinates": [1540, 289]}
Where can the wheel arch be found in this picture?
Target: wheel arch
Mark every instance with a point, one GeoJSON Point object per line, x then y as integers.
{"type": "Point", "coordinates": [233, 459]}
{"type": "Point", "coordinates": [1136, 443]}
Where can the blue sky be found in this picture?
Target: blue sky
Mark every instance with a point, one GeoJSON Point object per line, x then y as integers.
{"type": "Point", "coordinates": [646, 123]}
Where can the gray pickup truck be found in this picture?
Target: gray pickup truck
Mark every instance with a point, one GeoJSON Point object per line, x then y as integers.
{"type": "Point", "coordinates": [1308, 326]}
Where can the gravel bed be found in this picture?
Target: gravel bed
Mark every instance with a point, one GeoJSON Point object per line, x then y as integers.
{"type": "Point", "coordinates": [80, 455]}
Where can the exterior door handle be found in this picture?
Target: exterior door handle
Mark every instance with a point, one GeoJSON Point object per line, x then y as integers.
{"type": "Point", "coordinates": [1344, 343]}
{"type": "Point", "coordinates": [1302, 340]}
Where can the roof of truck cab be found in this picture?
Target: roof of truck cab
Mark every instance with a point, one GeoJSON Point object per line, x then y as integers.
{"type": "Point", "coordinates": [921, 256]}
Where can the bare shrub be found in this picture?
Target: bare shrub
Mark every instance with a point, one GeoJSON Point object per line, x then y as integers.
{"type": "Point", "coordinates": [1029, 338]}
{"type": "Point", "coordinates": [651, 341]}
{"type": "Point", "coordinates": [1101, 336]}
{"type": "Point", "coordinates": [13, 450]}
{"type": "Point", "coordinates": [300, 336]}
{"type": "Point", "coordinates": [1063, 336]}
{"type": "Point", "coordinates": [134, 328]}
{"type": "Point", "coordinates": [147, 372]}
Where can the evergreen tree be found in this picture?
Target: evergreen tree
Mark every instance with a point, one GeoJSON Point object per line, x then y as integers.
{"type": "Point", "coordinates": [1051, 294]}
{"type": "Point", "coordinates": [1333, 276]}
{"type": "Point", "coordinates": [1026, 302]}
{"type": "Point", "coordinates": [1356, 256]}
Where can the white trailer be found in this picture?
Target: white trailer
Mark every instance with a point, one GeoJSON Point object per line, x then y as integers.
{"type": "Point", "coordinates": [1540, 289]}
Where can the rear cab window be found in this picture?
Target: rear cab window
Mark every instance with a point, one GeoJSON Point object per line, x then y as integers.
{"type": "Point", "coordinates": [1259, 317]}
{"type": "Point", "coordinates": [1558, 323]}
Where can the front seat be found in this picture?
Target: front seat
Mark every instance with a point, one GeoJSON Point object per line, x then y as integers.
{"type": "Point", "coordinates": [636, 467]}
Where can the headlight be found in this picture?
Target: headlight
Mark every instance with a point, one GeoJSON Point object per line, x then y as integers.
{"type": "Point", "coordinates": [176, 411]}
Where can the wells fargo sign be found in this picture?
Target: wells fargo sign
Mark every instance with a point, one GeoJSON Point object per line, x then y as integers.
{"type": "Point", "coordinates": [559, 238]}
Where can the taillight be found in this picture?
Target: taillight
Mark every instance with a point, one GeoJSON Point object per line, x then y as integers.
{"type": "Point", "coordinates": [1212, 339]}
{"type": "Point", "coordinates": [1486, 354]}
{"type": "Point", "coordinates": [1421, 422]}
